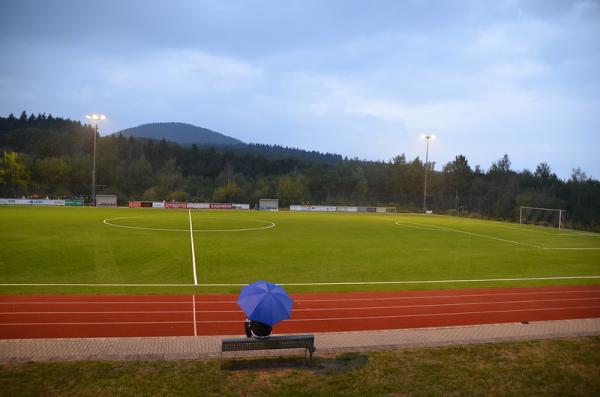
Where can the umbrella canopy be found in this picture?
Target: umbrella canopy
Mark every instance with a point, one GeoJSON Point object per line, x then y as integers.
{"type": "Point", "coordinates": [265, 302]}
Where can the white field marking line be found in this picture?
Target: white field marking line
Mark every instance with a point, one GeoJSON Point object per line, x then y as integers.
{"type": "Point", "coordinates": [522, 229]}
{"type": "Point", "coordinates": [307, 284]}
{"type": "Point", "coordinates": [440, 281]}
{"type": "Point", "coordinates": [310, 319]}
{"type": "Point", "coordinates": [194, 313]}
{"type": "Point", "coordinates": [589, 291]}
{"type": "Point", "coordinates": [440, 228]}
{"type": "Point", "coordinates": [575, 233]}
{"type": "Point", "coordinates": [193, 250]}
{"type": "Point", "coordinates": [421, 228]}
{"type": "Point", "coordinates": [270, 225]}
{"type": "Point", "coordinates": [469, 233]}
{"type": "Point", "coordinates": [572, 249]}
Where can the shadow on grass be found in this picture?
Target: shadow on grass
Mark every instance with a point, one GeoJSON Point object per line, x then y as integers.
{"type": "Point", "coordinates": [321, 366]}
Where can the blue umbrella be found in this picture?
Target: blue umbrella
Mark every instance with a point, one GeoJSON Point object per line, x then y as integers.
{"type": "Point", "coordinates": [265, 302]}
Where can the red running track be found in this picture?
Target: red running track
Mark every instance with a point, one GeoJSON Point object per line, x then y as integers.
{"type": "Point", "coordinates": [68, 316]}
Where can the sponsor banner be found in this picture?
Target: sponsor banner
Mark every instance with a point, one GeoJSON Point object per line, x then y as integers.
{"type": "Point", "coordinates": [241, 206]}
{"type": "Point", "coordinates": [158, 204]}
{"type": "Point", "coordinates": [341, 208]}
{"type": "Point", "coordinates": [221, 206]}
{"type": "Point", "coordinates": [135, 204]}
{"type": "Point", "coordinates": [146, 204]}
{"type": "Point", "coordinates": [60, 203]}
{"type": "Point", "coordinates": [198, 206]}
{"type": "Point", "coordinates": [16, 202]}
{"type": "Point", "coordinates": [54, 203]}
{"type": "Point", "coordinates": [175, 205]}
{"type": "Point", "coordinates": [347, 209]}
{"type": "Point", "coordinates": [313, 208]}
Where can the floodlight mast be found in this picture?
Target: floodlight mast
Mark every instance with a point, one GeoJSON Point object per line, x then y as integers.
{"type": "Point", "coordinates": [427, 138]}
{"type": "Point", "coordinates": [95, 118]}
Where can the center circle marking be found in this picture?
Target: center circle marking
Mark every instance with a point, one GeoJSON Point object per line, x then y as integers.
{"type": "Point", "coordinates": [269, 225]}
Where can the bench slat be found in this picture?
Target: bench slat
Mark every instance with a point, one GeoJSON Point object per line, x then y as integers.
{"type": "Point", "coordinates": [273, 342]}
{"type": "Point", "coordinates": [305, 342]}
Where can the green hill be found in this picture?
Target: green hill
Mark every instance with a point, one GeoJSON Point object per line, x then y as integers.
{"type": "Point", "coordinates": [181, 133]}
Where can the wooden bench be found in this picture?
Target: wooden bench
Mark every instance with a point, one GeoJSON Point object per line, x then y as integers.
{"type": "Point", "coordinates": [305, 341]}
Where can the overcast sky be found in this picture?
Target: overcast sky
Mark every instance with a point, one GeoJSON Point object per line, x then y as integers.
{"type": "Point", "coordinates": [359, 78]}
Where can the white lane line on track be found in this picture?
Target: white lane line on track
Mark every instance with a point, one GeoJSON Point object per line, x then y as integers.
{"type": "Point", "coordinates": [312, 319]}
{"type": "Point", "coordinates": [313, 309]}
{"type": "Point", "coordinates": [587, 291]}
{"type": "Point", "coordinates": [194, 312]}
{"type": "Point", "coordinates": [308, 284]}
{"type": "Point", "coordinates": [424, 315]}
{"type": "Point", "coordinates": [193, 250]}
{"type": "Point", "coordinates": [423, 305]}
{"type": "Point", "coordinates": [183, 303]}
{"type": "Point", "coordinates": [109, 312]}
{"type": "Point", "coordinates": [103, 323]}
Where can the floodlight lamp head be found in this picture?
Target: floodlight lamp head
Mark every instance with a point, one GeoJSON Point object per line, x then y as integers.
{"type": "Point", "coordinates": [95, 117]}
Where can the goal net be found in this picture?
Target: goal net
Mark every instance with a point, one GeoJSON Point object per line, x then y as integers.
{"type": "Point", "coordinates": [551, 217]}
{"type": "Point", "coordinates": [106, 200]}
{"type": "Point", "coordinates": [268, 204]}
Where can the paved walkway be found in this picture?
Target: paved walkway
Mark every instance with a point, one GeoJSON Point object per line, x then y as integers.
{"type": "Point", "coordinates": [206, 347]}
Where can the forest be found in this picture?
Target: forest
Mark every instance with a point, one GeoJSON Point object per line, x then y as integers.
{"type": "Point", "coordinates": [46, 156]}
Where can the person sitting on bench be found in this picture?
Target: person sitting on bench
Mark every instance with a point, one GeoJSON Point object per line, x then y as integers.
{"type": "Point", "coordinates": [257, 329]}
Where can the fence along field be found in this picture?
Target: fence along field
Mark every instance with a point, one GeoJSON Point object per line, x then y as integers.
{"type": "Point", "coordinates": [149, 250]}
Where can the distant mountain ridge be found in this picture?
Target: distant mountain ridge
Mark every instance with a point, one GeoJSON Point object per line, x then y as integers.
{"type": "Point", "coordinates": [188, 134]}
{"type": "Point", "coordinates": [181, 133]}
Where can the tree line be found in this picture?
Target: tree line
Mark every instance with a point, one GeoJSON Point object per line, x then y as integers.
{"type": "Point", "coordinates": [42, 155]}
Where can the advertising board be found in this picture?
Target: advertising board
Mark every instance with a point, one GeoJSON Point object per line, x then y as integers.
{"type": "Point", "coordinates": [198, 206]}
{"type": "Point", "coordinates": [221, 206]}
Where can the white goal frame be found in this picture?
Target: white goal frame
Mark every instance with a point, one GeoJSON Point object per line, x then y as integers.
{"type": "Point", "coordinates": [560, 214]}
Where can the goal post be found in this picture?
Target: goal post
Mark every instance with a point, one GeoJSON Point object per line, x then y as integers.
{"type": "Point", "coordinates": [542, 216]}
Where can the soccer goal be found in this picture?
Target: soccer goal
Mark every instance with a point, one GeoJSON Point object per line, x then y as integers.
{"type": "Point", "coordinates": [268, 204]}
{"type": "Point", "coordinates": [542, 216]}
{"type": "Point", "coordinates": [106, 200]}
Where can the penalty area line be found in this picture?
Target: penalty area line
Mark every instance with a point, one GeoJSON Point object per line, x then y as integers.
{"type": "Point", "coordinates": [308, 284]}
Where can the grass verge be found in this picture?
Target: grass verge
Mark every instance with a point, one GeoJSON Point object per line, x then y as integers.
{"type": "Point", "coordinates": [549, 367]}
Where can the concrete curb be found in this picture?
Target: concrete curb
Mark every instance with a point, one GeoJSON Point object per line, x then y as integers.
{"type": "Point", "coordinates": [208, 347]}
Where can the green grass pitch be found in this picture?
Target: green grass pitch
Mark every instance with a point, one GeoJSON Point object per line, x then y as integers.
{"type": "Point", "coordinates": [152, 249]}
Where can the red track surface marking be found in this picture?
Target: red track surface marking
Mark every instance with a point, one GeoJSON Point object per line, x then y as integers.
{"type": "Point", "coordinates": [67, 316]}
